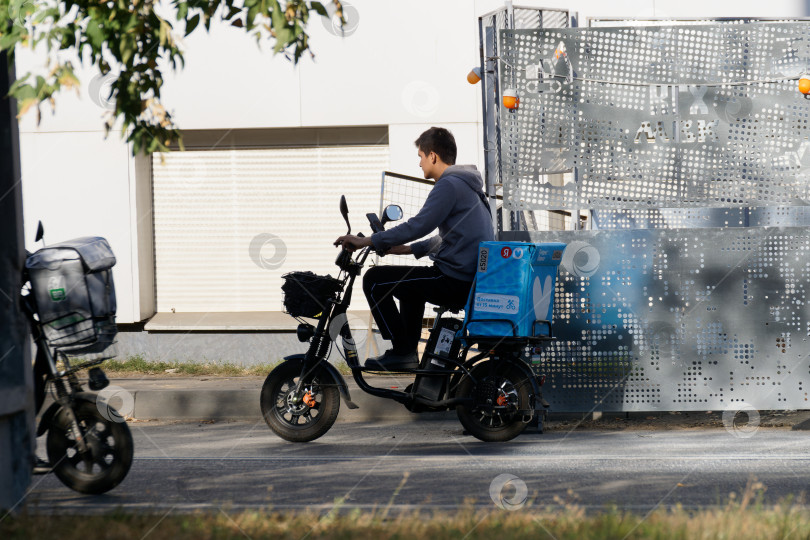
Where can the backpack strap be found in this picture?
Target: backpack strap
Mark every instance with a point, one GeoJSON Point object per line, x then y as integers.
{"type": "Point", "coordinates": [483, 199]}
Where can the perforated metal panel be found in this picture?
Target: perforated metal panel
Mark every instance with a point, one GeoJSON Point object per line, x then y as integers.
{"type": "Point", "coordinates": [680, 320]}
{"type": "Point", "coordinates": [673, 116]}
{"type": "Point", "coordinates": [489, 27]}
{"type": "Point", "coordinates": [700, 218]}
{"type": "Point", "coordinates": [690, 146]}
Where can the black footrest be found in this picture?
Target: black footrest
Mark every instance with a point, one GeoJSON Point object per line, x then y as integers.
{"type": "Point", "coordinates": [375, 370]}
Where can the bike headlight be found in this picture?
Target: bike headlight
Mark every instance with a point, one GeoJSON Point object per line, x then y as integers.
{"type": "Point", "coordinates": [97, 380]}
{"type": "Point", "coordinates": [304, 332]}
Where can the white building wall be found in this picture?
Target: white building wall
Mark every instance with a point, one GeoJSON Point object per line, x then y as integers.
{"type": "Point", "coordinates": [403, 65]}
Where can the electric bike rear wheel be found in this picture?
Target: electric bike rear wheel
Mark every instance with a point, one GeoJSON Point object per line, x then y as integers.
{"type": "Point", "coordinates": [108, 457]}
{"type": "Point", "coordinates": [499, 392]}
{"type": "Point", "coordinates": [300, 415]}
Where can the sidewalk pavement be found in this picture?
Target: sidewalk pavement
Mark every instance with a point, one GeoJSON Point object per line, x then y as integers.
{"type": "Point", "coordinates": [175, 398]}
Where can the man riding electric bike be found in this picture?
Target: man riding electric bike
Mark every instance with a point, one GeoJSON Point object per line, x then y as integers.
{"type": "Point", "coordinates": [456, 206]}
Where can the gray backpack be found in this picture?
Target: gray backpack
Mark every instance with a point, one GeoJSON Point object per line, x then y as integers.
{"type": "Point", "coordinates": [73, 287]}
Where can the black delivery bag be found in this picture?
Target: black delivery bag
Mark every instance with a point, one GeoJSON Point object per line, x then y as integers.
{"type": "Point", "coordinates": [73, 287]}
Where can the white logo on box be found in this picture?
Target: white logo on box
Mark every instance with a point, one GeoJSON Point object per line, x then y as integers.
{"type": "Point", "coordinates": [517, 253]}
{"type": "Point", "coordinates": [497, 303]}
{"type": "Point", "coordinates": [541, 295]}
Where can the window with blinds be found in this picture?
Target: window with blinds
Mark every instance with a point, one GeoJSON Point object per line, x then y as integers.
{"type": "Point", "coordinates": [229, 223]}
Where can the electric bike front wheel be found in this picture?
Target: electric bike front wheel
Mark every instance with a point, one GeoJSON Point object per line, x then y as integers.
{"type": "Point", "coordinates": [299, 414]}
{"type": "Point", "coordinates": [498, 393]}
{"type": "Point", "coordinates": [109, 448]}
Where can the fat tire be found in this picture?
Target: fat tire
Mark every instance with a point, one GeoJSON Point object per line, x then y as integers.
{"type": "Point", "coordinates": [328, 405]}
{"type": "Point", "coordinates": [470, 417]}
{"type": "Point", "coordinates": [108, 439]}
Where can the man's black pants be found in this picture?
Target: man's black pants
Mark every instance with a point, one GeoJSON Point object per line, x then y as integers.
{"type": "Point", "coordinates": [412, 286]}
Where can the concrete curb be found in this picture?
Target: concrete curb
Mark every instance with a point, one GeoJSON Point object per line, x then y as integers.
{"type": "Point", "coordinates": [244, 405]}
{"type": "Point", "coordinates": [239, 400]}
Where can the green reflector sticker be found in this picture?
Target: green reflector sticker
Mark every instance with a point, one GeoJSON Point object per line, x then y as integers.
{"type": "Point", "coordinates": [57, 295]}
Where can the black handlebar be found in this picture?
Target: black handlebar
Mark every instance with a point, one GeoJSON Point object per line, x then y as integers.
{"type": "Point", "coordinates": [344, 258]}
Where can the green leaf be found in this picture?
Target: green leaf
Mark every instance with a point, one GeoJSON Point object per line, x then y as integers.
{"type": "Point", "coordinates": [319, 9]}
{"type": "Point", "coordinates": [136, 144]}
{"type": "Point", "coordinates": [279, 19]}
{"type": "Point", "coordinates": [94, 34]}
{"type": "Point", "coordinates": [284, 34]}
{"type": "Point", "coordinates": [25, 105]}
{"type": "Point", "coordinates": [192, 23]}
{"type": "Point", "coordinates": [283, 39]}
{"type": "Point", "coordinates": [182, 11]}
{"type": "Point", "coordinates": [8, 42]}
{"type": "Point", "coordinates": [165, 33]}
{"type": "Point", "coordinates": [20, 91]}
{"type": "Point", "coordinates": [251, 16]}
{"type": "Point", "coordinates": [127, 48]}
{"type": "Point", "coordinates": [132, 23]}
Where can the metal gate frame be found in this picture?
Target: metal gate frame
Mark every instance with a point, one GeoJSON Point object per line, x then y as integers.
{"type": "Point", "coordinates": [489, 27]}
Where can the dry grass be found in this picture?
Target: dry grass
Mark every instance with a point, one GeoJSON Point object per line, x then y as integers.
{"type": "Point", "coordinates": [743, 517]}
{"type": "Point", "coordinates": [136, 365]}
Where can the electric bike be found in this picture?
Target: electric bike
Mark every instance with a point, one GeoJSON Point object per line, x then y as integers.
{"type": "Point", "coordinates": [69, 301]}
{"type": "Point", "coordinates": [491, 387]}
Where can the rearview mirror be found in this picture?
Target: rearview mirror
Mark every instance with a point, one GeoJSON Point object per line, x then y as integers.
{"type": "Point", "coordinates": [344, 211]}
{"type": "Point", "coordinates": [392, 212]}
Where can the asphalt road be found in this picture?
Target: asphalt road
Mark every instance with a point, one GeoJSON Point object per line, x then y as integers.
{"type": "Point", "coordinates": [432, 465]}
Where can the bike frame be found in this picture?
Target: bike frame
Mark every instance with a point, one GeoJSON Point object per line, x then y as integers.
{"type": "Point", "coordinates": [320, 342]}
{"type": "Point", "coordinates": [65, 393]}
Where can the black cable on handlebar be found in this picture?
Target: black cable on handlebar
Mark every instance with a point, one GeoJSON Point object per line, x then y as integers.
{"type": "Point", "coordinates": [364, 254]}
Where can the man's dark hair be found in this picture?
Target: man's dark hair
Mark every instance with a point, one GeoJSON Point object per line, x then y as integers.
{"type": "Point", "coordinates": [438, 140]}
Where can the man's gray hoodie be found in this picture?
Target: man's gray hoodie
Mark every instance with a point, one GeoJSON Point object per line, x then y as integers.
{"type": "Point", "coordinates": [456, 208]}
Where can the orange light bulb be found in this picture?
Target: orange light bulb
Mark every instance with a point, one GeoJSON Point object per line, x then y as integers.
{"type": "Point", "coordinates": [804, 84]}
{"type": "Point", "coordinates": [511, 99]}
{"type": "Point", "coordinates": [474, 75]}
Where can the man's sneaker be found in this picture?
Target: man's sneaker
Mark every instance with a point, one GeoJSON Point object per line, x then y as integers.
{"type": "Point", "coordinates": [391, 361]}
{"type": "Point", "coordinates": [42, 467]}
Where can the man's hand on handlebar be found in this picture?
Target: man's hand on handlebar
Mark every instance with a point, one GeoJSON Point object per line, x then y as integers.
{"type": "Point", "coordinates": [351, 242]}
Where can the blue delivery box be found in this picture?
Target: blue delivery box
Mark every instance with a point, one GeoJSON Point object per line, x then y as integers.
{"type": "Point", "coordinates": [514, 288]}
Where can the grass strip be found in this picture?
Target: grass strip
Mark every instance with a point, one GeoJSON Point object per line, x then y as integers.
{"type": "Point", "coordinates": [137, 365]}
{"type": "Point", "coordinates": [737, 520]}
